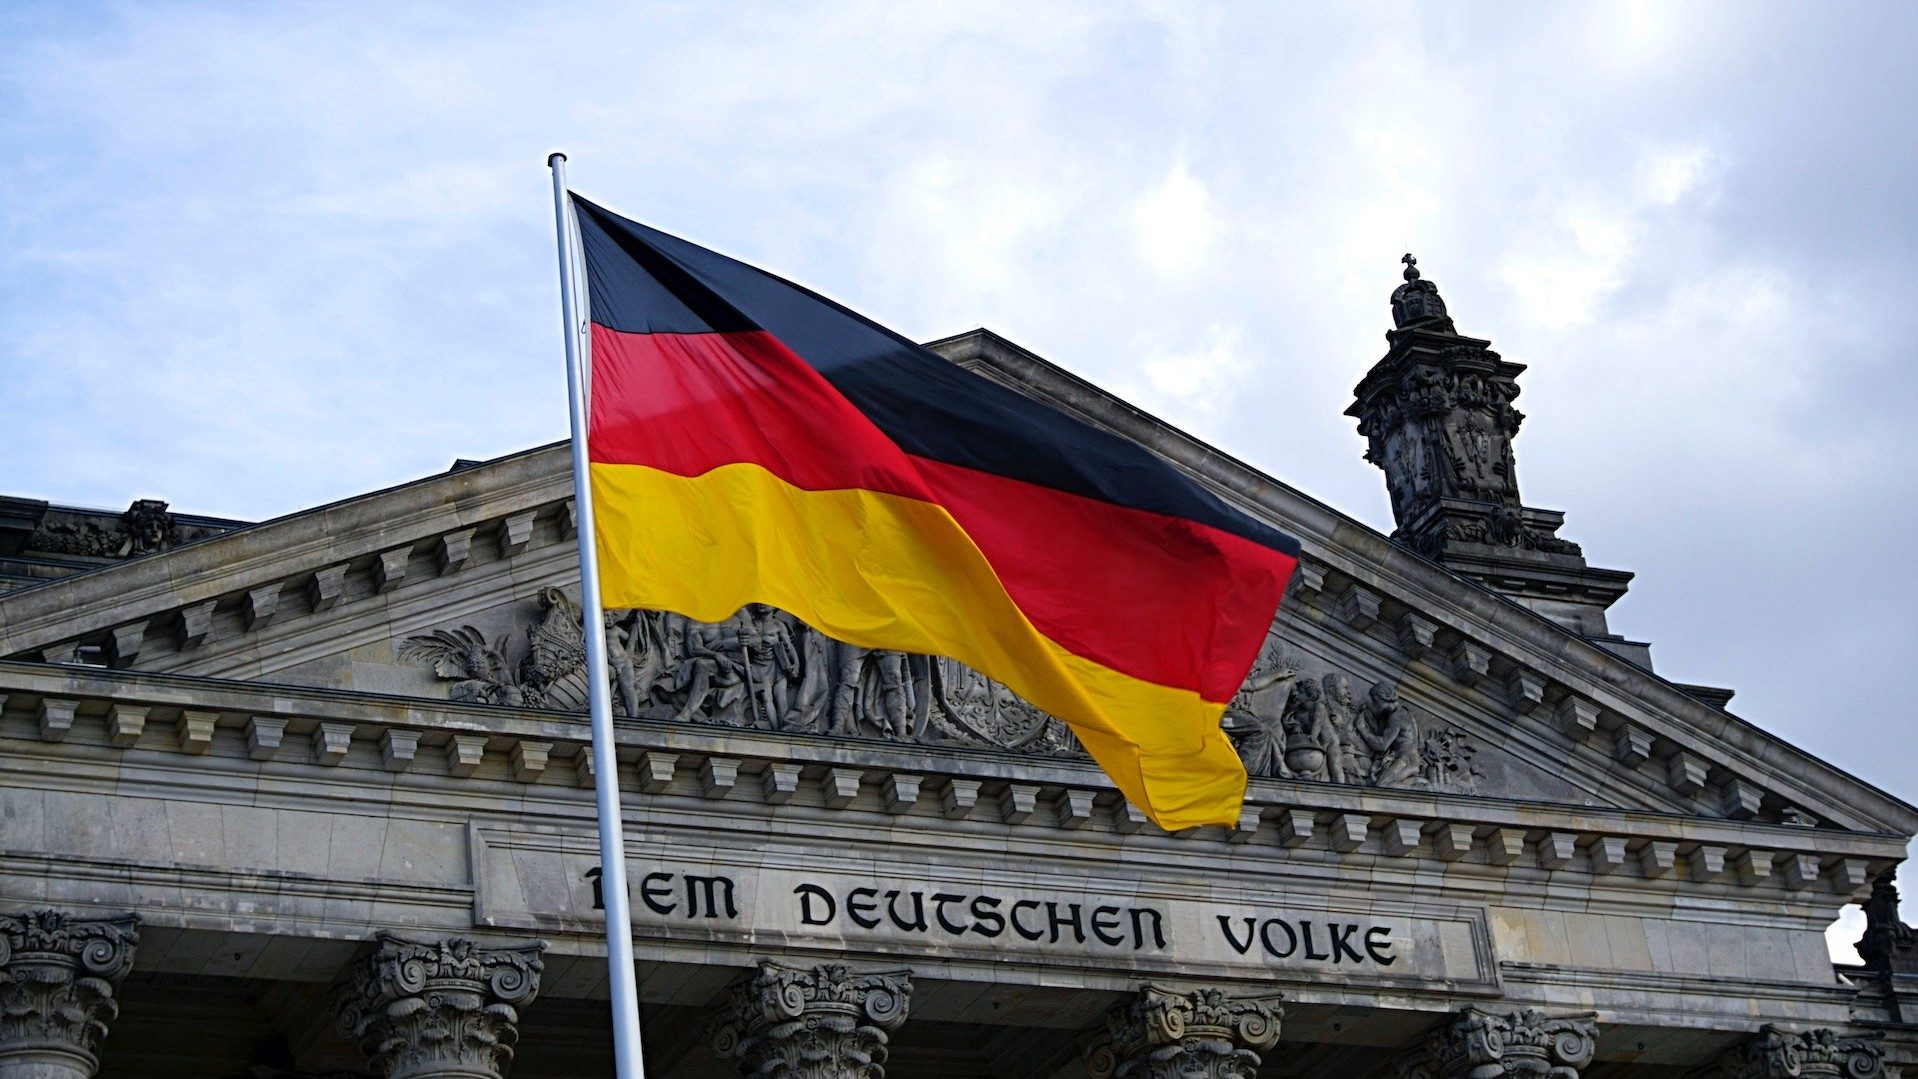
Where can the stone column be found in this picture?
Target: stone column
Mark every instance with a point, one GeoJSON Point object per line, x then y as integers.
{"type": "Point", "coordinates": [439, 1008]}
{"type": "Point", "coordinates": [823, 1022]}
{"type": "Point", "coordinates": [57, 978]}
{"type": "Point", "coordinates": [1477, 1044]}
{"type": "Point", "coordinates": [1822, 1053]}
{"type": "Point", "coordinates": [1204, 1034]}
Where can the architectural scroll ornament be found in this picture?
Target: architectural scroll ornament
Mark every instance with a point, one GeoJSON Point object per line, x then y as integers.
{"type": "Point", "coordinates": [1204, 1034]}
{"type": "Point", "coordinates": [58, 974]}
{"type": "Point", "coordinates": [763, 669]}
{"type": "Point", "coordinates": [1527, 1044]}
{"type": "Point", "coordinates": [438, 1009]}
{"type": "Point", "coordinates": [1822, 1053]}
{"type": "Point", "coordinates": [823, 1022]}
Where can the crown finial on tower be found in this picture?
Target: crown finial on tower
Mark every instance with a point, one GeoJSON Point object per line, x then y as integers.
{"type": "Point", "coordinates": [1416, 303]}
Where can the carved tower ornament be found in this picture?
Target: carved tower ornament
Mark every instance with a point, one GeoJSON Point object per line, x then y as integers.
{"type": "Point", "coordinates": [58, 974]}
{"type": "Point", "coordinates": [1477, 1044]}
{"type": "Point", "coordinates": [439, 1009]}
{"type": "Point", "coordinates": [1822, 1053]}
{"type": "Point", "coordinates": [1204, 1034]}
{"type": "Point", "coordinates": [823, 1022]}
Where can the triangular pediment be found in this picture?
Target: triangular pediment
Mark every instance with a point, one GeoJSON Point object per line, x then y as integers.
{"type": "Point", "coordinates": [1384, 670]}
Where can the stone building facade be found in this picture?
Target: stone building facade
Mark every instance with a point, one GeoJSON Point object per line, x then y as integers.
{"type": "Point", "coordinates": [312, 797]}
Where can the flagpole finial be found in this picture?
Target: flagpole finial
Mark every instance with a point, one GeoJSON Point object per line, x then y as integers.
{"type": "Point", "coordinates": [555, 158]}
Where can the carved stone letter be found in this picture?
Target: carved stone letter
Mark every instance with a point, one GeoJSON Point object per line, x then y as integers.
{"type": "Point", "coordinates": [57, 978]}
{"type": "Point", "coordinates": [1491, 1045]}
{"type": "Point", "coordinates": [1822, 1053]}
{"type": "Point", "coordinates": [1165, 1035]}
{"type": "Point", "coordinates": [439, 1009]}
{"type": "Point", "coordinates": [823, 1022]}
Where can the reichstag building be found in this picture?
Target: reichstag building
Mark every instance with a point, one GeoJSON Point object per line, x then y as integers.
{"type": "Point", "coordinates": [312, 798]}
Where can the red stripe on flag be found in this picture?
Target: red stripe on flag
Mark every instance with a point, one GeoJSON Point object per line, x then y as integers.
{"type": "Point", "coordinates": [1159, 598]}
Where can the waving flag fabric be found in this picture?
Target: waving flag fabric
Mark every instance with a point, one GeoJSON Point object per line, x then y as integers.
{"type": "Point", "coordinates": [752, 441]}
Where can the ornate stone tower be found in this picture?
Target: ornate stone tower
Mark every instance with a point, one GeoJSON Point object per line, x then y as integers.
{"type": "Point", "coordinates": [1437, 416]}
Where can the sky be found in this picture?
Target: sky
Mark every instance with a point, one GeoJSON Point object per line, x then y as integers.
{"type": "Point", "coordinates": [258, 257]}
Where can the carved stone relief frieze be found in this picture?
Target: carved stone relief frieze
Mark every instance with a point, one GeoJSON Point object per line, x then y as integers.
{"type": "Point", "coordinates": [763, 669]}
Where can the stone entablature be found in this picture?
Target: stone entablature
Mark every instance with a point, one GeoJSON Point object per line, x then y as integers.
{"type": "Point", "coordinates": [1688, 770]}
{"type": "Point", "coordinates": [127, 710]}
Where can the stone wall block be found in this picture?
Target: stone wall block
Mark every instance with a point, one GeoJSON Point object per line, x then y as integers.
{"type": "Point", "coordinates": [1577, 717]}
{"type": "Point", "coordinates": [718, 776]}
{"type": "Point", "coordinates": [1555, 849]}
{"type": "Point", "coordinates": [899, 791]}
{"type": "Point", "coordinates": [398, 747]}
{"type": "Point", "coordinates": [327, 587]}
{"type": "Point", "coordinates": [1017, 801]}
{"type": "Point", "coordinates": [438, 1008]}
{"type": "Point", "coordinates": [1295, 827]}
{"type": "Point", "coordinates": [389, 572]}
{"type": "Point", "coordinates": [958, 798]}
{"type": "Point", "coordinates": [1416, 634]}
{"type": "Point", "coordinates": [195, 730]}
{"type": "Point", "coordinates": [464, 752]}
{"type": "Point", "coordinates": [779, 782]}
{"type": "Point", "coordinates": [1632, 746]}
{"type": "Point", "coordinates": [453, 550]}
{"type": "Point", "coordinates": [1203, 1034]}
{"type": "Point", "coordinates": [842, 786]}
{"type": "Point", "coordinates": [529, 759]}
{"type": "Point", "coordinates": [260, 605]}
{"type": "Point", "coordinates": [56, 718]}
{"type": "Point", "coordinates": [195, 623]}
{"type": "Point", "coordinates": [127, 641]}
{"type": "Point", "coordinates": [125, 723]}
{"type": "Point", "coordinates": [1505, 846]}
{"type": "Point", "coordinates": [263, 736]}
{"type": "Point", "coordinates": [1348, 832]}
{"type": "Point", "coordinates": [656, 770]}
{"type": "Point", "coordinates": [1073, 808]}
{"type": "Point", "coordinates": [822, 1022]}
{"type": "Point", "coordinates": [514, 533]}
{"type": "Point", "coordinates": [331, 741]}
{"type": "Point", "coordinates": [58, 976]}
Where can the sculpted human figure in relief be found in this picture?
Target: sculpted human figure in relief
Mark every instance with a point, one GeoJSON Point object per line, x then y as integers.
{"type": "Point", "coordinates": [1312, 746]}
{"type": "Point", "coordinates": [1390, 735]}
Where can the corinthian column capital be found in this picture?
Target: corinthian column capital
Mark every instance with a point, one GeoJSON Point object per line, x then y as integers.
{"type": "Point", "coordinates": [1208, 1033]}
{"type": "Point", "coordinates": [823, 1022]}
{"type": "Point", "coordinates": [1529, 1044]}
{"type": "Point", "coordinates": [439, 1008]}
{"type": "Point", "coordinates": [1821, 1053]}
{"type": "Point", "coordinates": [58, 974]}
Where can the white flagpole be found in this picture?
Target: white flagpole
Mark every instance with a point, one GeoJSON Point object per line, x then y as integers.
{"type": "Point", "coordinates": [612, 833]}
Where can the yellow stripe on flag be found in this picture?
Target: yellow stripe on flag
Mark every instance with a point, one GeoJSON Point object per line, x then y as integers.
{"type": "Point", "coordinates": [885, 571]}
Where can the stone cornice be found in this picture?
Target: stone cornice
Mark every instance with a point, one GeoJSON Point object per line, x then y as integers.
{"type": "Point", "coordinates": [377, 737]}
{"type": "Point", "coordinates": [224, 566]}
{"type": "Point", "coordinates": [1353, 552]}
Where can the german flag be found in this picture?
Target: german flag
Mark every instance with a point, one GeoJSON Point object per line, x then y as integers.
{"type": "Point", "coordinates": [754, 442]}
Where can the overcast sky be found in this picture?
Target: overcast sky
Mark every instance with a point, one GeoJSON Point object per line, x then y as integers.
{"type": "Point", "coordinates": [254, 258]}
